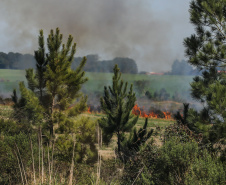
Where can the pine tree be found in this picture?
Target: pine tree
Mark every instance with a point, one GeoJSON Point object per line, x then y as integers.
{"type": "Point", "coordinates": [117, 104]}
{"type": "Point", "coordinates": [207, 51]}
{"type": "Point", "coordinates": [41, 62]}
{"type": "Point", "coordinates": [62, 83]}
{"type": "Point", "coordinates": [53, 85]}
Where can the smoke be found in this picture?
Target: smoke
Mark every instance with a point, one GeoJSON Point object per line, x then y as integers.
{"type": "Point", "coordinates": [138, 29]}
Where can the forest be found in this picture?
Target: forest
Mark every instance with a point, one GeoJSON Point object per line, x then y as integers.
{"type": "Point", "coordinates": [50, 135]}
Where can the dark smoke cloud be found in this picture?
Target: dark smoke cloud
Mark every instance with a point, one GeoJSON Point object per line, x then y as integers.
{"type": "Point", "coordinates": [110, 28]}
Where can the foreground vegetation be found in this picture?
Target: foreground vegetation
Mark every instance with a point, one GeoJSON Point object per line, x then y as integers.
{"type": "Point", "coordinates": [179, 158]}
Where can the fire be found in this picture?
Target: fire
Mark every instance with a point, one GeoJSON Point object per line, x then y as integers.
{"type": "Point", "coordinates": [152, 115]}
{"type": "Point", "coordinates": [89, 110]}
{"type": "Point", "coordinates": [167, 115]}
{"type": "Point", "coordinates": [142, 113]}
{"type": "Point", "coordinates": [138, 112]}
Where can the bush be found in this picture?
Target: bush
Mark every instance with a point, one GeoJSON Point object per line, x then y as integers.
{"type": "Point", "coordinates": [206, 170]}
{"type": "Point", "coordinates": [174, 161]}
{"type": "Point", "coordinates": [84, 137]}
{"type": "Point", "coordinates": [140, 169]}
{"type": "Point", "coordinates": [181, 133]}
{"type": "Point", "coordinates": [13, 150]}
{"type": "Point", "coordinates": [111, 170]}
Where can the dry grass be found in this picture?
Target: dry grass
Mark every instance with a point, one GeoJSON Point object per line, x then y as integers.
{"type": "Point", "coordinates": [5, 111]}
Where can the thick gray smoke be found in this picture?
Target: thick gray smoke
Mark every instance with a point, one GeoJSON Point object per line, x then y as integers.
{"type": "Point", "coordinates": [138, 29]}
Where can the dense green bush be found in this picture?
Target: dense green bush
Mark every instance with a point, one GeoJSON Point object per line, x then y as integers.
{"type": "Point", "coordinates": [206, 170]}
{"type": "Point", "coordinates": [174, 161]}
{"type": "Point", "coordinates": [140, 169]}
{"type": "Point", "coordinates": [15, 151]}
{"type": "Point", "coordinates": [82, 132]}
{"type": "Point", "coordinates": [111, 170]}
{"type": "Point", "coordinates": [8, 164]}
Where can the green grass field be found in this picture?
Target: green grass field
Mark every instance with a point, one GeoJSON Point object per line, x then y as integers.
{"type": "Point", "coordinates": [9, 80]}
{"type": "Point", "coordinates": [171, 83]}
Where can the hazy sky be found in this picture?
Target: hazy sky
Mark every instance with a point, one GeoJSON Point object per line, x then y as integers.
{"type": "Point", "coordinates": [149, 31]}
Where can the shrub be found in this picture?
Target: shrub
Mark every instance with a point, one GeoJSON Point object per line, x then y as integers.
{"type": "Point", "coordinates": [181, 133]}
{"type": "Point", "coordinates": [83, 133]}
{"type": "Point", "coordinates": [140, 169]}
{"type": "Point", "coordinates": [206, 170]}
{"type": "Point", "coordinates": [174, 161]}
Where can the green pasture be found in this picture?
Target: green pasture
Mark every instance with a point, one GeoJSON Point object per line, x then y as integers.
{"type": "Point", "coordinates": [171, 83]}
{"type": "Point", "coordinates": [9, 80]}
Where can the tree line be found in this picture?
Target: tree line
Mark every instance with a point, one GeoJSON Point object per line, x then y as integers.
{"type": "Point", "coordinates": [93, 64]}
{"type": "Point", "coordinates": [183, 68]}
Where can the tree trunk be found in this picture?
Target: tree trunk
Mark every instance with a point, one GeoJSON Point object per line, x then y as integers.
{"type": "Point", "coordinates": [98, 136]}
{"type": "Point", "coordinates": [42, 158]}
{"type": "Point", "coordinates": [33, 162]}
{"type": "Point", "coordinates": [51, 121]}
{"type": "Point", "coordinates": [52, 160]}
{"type": "Point", "coordinates": [72, 165]}
{"type": "Point", "coordinates": [39, 151]}
{"type": "Point", "coordinates": [119, 144]}
{"type": "Point", "coordinates": [49, 163]}
{"type": "Point", "coordinates": [25, 177]}
{"type": "Point", "coordinates": [101, 138]}
{"type": "Point", "coordinates": [21, 174]}
{"type": "Point", "coordinates": [51, 129]}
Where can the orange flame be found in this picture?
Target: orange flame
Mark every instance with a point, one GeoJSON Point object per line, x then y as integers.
{"type": "Point", "coordinates": [167, 115]}
{"type": "Point", "coordinates": [152, 115]}
{"type": "Point", "coordinates": [89, 110]}
{"type": "Point", "coordinates": [138, 112]}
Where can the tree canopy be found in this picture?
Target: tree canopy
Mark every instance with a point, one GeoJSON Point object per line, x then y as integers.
{"type": "Point", "coordinates": [207, 50]}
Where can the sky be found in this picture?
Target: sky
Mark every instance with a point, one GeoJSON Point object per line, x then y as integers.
{"type": "Point", "coordinates": [149, 31]}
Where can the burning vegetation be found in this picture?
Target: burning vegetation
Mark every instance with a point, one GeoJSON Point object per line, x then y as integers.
{"type": "Point", "coordinates": [139, 112]}
{"type": "Point", "coordinates": [142, 113]}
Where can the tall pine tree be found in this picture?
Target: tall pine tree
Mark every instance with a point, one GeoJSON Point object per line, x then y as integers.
{"type": "Point", "coordinates": [117, 104]}
{"type": "Point", "coordinates": [53, 85]}
{"type": "Point", "coordinates": [62, 83]}
{"type": "Point", "coordinates": [207, 51]}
